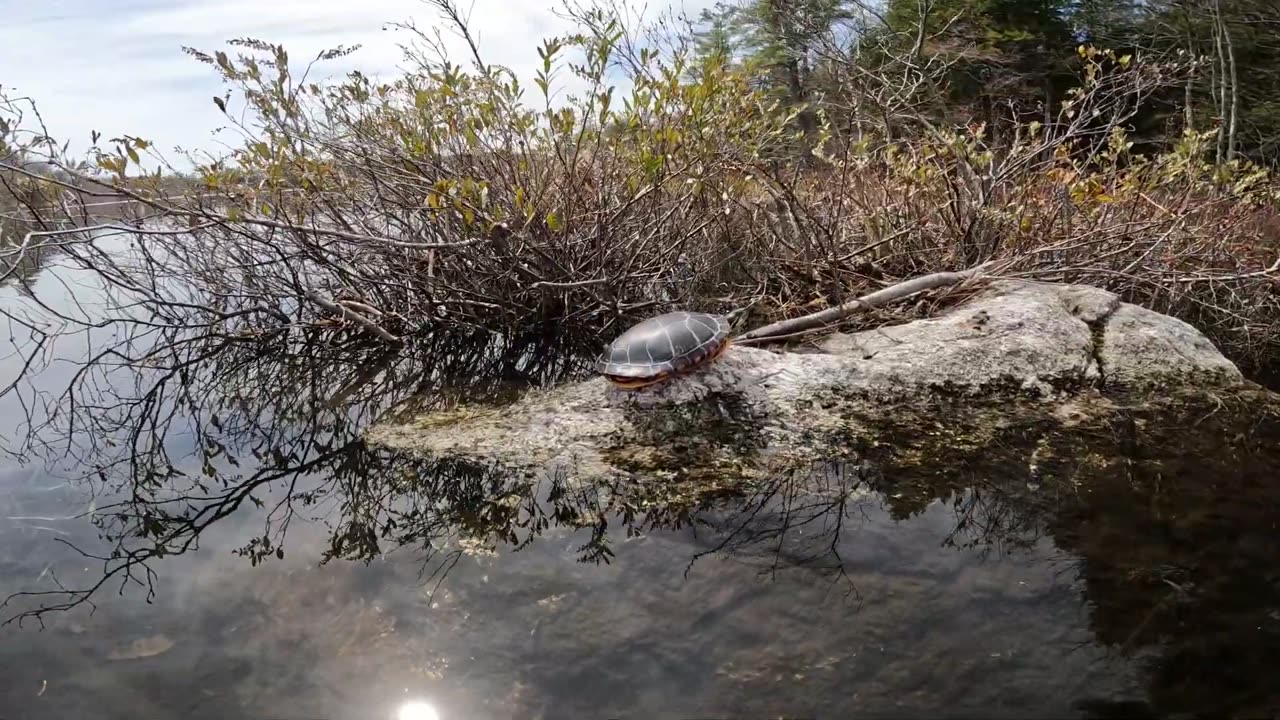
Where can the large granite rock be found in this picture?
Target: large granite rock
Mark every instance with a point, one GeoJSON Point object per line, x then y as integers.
{"type": "Point", "coordinates": [1014, 339]}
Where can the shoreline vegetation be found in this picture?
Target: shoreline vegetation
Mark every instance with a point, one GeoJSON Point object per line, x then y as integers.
{"type": "Point", "coordinates": [770, 158]}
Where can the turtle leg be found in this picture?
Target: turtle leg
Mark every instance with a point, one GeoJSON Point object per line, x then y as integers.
{"type": "Point", "coordinates": [719, 351]}
{"type": "Point", "coordinates": [627, 383]}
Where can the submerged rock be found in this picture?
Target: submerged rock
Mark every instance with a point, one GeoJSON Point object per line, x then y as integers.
{"type": "Point", "coordinates": [1048, 343]}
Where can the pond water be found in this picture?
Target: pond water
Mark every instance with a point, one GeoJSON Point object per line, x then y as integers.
{"type": "Point", "coordinates": [252, 558]}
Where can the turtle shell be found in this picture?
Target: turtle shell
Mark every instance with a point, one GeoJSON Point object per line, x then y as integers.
{"type": "Point", "coordinates": [663, 346]}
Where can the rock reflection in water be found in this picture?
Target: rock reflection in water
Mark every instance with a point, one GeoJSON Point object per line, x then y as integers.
{"type": "Point", "coordinates": [1120, 566]}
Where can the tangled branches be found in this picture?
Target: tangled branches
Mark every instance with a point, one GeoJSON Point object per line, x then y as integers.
{"type": "Point", "coordinates": [450, 198]}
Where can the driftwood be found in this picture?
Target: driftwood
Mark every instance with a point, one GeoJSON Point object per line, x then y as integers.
{"type": "Point", "coordinates": [784, 329]}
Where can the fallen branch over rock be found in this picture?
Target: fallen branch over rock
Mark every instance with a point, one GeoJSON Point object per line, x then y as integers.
{"type": "Point", "coordinates": [786, 329]}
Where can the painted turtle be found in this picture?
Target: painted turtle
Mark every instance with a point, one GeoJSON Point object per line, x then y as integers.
{"type": "Point", "coordinates": [663, 346]}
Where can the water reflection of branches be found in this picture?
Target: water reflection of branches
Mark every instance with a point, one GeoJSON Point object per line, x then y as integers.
{"type": "Point", "coordinates": [798, 518]}
{"type": "Point", "coordinates": [997, 519]}
{"type": "Point", "coordinates": [180, 435]}
{"type": "Point", "coordinates": [379, 500]}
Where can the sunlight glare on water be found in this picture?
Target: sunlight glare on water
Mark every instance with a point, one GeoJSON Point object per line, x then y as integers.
{"type": "Point", "coordinates": [417, 710]}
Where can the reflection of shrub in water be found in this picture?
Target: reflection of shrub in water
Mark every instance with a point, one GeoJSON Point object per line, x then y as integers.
{"type": "Point", "coordinates": [1169, 507]}
{"type": "Point", "coordinates": [214, 425]}
{"type": "Point", "coordinates": [1178, 535]}
{"type": "Point", "coordinates": [794, 519]}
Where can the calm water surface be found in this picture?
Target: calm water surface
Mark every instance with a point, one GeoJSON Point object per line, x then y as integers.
{"type": "Point", "coordinates": [275, 567]}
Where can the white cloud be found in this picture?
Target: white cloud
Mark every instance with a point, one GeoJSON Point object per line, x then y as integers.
{"type": "Point", "coordinates": [116, 66]}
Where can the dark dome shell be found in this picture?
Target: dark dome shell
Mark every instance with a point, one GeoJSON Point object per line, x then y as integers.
{"type": "Point", "coordinates": [665, 344]}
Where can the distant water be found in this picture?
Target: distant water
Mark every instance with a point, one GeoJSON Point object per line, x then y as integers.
{"type": "Point", "coordinates": [1120, 571]}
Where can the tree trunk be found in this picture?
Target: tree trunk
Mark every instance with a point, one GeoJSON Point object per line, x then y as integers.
{"type": "Point", "coordinates": [1048, 101]}
{"type": "Point", "coordinates": [1221, 69]}
{"type": "Point", "coordinates": [1233, 122]}
{"type": "Point", "coordinates": [917, 51]}
{"type": "Point", "coordinates": [1188, 101]}
{"type": "Point", "coordinates": [800, 95]}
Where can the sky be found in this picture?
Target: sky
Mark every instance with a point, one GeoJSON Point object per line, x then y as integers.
{"type": "Point", "coordinates": [117, 66]}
